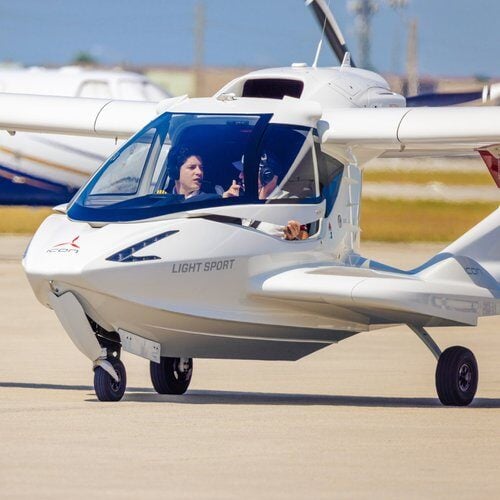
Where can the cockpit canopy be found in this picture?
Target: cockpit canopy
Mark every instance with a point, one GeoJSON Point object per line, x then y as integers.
{"type": "Point", "coordinates": [183, 161]}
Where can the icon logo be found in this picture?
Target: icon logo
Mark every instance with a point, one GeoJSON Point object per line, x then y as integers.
{"type": "Point", "coordinates": [66, 247]}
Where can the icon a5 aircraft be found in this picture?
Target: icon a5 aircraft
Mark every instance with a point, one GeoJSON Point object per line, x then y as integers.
{"type": "Point", "coordinates": [135, 263]}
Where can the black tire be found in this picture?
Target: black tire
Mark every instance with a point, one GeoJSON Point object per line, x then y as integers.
{"type": "Point", "coordinates": [167, 378]}
{"type": "Point", "coordinates": [105, 386]}
{"type": "Point", "coordinates": [457, 376]}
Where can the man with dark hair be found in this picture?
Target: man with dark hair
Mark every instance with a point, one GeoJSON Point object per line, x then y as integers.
{"type": "Point", "coordinates": [185, 173]}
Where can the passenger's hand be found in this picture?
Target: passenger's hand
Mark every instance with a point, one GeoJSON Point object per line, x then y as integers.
{"type": "Point", "coordinates": [294, 231]}
{"type": "Point", "coordinates": [233, 191]}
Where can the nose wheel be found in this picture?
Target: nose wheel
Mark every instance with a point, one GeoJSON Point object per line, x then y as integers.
{"type": "Point", "coordinates": [171, 375]}
{"type": "Point", "coordinates": [105, 385]}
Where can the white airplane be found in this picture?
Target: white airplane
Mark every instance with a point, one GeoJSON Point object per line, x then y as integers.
{"type": "Point", "coordinates": [38, 169]}
{"type": "Point", "coordinates": [181, 246]}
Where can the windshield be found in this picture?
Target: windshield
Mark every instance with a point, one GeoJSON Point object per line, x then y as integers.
{"type": "Point", "coordinates": [185, 161]}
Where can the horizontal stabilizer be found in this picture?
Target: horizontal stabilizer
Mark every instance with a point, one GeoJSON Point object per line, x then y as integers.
{"type": "Point", "coordinates": [457, 286]}
{"type": "Point", "coordinates": [382, 297]}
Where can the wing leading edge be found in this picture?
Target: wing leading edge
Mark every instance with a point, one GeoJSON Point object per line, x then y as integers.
{"type": "Point", "coordinates": [395, 131]}
{"type": "Point", "coordinates": [75, 115]}
{"type": "Point", "coordinates": [417, 132]}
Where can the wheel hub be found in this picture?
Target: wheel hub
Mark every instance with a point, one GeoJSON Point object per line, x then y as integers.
{"type": "Point", "coordinates": [464, 377]}
{"type": "Point", "coordinates": [115, 384]}
{"type": "Point", "coordinates": [183, 366]}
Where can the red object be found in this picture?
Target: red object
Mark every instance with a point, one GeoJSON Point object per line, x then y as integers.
{"type": "Point", "coordinates": [71, 243]}
{"type": "Point", "coordinates": [492, 164]}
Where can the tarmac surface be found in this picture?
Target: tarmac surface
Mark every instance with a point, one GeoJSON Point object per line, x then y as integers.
{"type": "Point", "coordinates": [357, 420]}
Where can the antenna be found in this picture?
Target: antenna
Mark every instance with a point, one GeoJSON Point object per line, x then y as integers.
{"type": "Point", "coordinates": [320, 44]}
{"type": "Point", "coordinates": [318, 50]}
{"type": "Point", "coordinates": [412, 58]}
{"type": "Point", "coordinates": [199, 48]}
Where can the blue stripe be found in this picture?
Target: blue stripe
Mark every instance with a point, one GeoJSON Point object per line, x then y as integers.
{"type": "Point", "coordinates": [31, 190]}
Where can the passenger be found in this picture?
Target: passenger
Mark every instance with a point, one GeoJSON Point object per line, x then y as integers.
{"type": "Point", "coordinates": [267, 181]}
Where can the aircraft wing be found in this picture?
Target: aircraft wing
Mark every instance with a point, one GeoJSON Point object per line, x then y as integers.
{"type": "Point", "coordinates": [397, 130]}
{"type": "Point", "coordinates": [74, 115]}
{"type": "Point", "coordinates": [417, 132]}
{"type": "Point", "coordinates": [383, 297]}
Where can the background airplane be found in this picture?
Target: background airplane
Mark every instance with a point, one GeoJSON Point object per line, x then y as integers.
{"type": "Point", "coordinates": [38, 169]}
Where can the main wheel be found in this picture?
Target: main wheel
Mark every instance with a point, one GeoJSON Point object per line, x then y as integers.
{"type": "Point", "coordinates": [171, 375]}
{"type": "Point", "coordinates": [105, 386]}
{"type": "Point", "coordinates": [456, 376]}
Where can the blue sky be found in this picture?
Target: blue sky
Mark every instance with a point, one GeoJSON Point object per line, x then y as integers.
{"type": "Point", "coordinates": [456, 37]}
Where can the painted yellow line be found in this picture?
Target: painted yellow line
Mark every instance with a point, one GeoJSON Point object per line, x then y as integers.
{"type": "Point", "coordinates": [47, 163]}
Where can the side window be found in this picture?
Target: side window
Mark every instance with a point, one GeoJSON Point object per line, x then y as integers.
{"type": "Point", "coordinates": [299, 179]}
{"type": "Point", "coordinates": [330, 175]}
{"type": "Point", "coordinates": [94, 88]}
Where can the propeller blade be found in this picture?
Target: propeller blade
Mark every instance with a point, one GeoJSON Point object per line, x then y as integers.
{"type": "Point", "coordinates": [442, 99]}
{"type": "Point", "coordinates": [333, 34]}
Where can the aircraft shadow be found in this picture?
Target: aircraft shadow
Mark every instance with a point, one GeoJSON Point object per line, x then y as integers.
{"type": "Point", "coordinates": [272, 399]}
{"type": "Point", "coordinates": [209, 397]}
{"type": "Point", "coordinates": [61, 387]}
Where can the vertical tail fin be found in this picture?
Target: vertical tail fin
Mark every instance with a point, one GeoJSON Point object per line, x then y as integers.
{"type": "Point", "coordinates": [475, 256]}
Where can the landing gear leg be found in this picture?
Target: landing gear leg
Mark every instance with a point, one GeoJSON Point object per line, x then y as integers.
{"type": "Point", "coordinates": [457, 373]}
{"type": "Point", "coordinates": [171, 375]}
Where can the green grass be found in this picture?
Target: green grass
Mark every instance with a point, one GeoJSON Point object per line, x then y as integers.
{"type": "Point", "coordinates": [381, 220]}
{"type": "Point", "coordinates": [22, 220]}
{"type": "Point", "coordinates": [419, 220]}
{"type": "Point", "coordinates": [456, 178]}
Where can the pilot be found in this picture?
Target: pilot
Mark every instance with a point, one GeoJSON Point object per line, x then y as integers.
{"type": "Point", "coordinates": [267, 181]}
{"type": "Point", "coordinates": [185, 170]}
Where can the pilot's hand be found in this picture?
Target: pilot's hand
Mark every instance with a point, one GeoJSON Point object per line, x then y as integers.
{"type": "Point", "coordinates": [294, 231]}
{"type": "Point", "coordinates": [233, 191]}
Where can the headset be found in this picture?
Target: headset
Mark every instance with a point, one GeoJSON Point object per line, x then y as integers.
{"type": "Point", "coordinates": [268, 168]}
